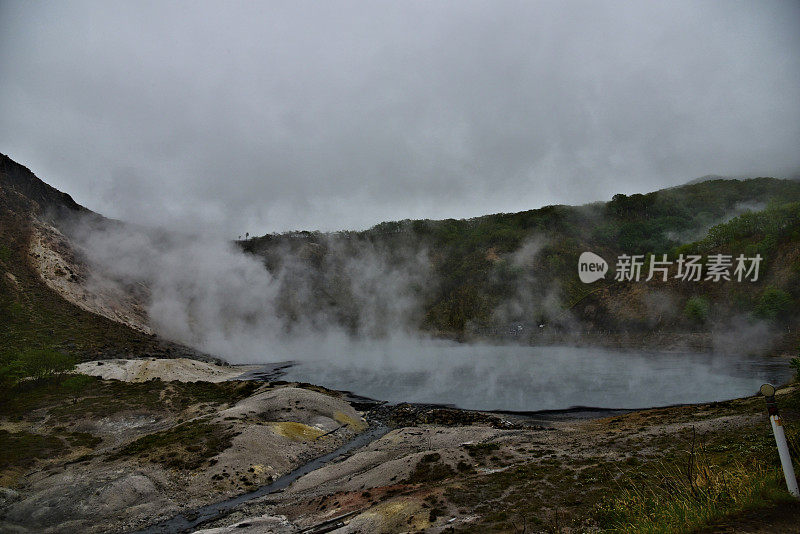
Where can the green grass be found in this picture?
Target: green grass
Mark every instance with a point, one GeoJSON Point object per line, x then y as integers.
{"type": "Point", "coordinates": [186, 446]}
{"type": "Point", "coordinates": [732, 473]}
{"type": "Point", "coordinates": [23, 448]}
{"type": "Point", "coordinates": [675, 501]}
{"type": "Point", "coordinates": [736, 472]}
{"type": "Point", "coordinates": [99, 398]}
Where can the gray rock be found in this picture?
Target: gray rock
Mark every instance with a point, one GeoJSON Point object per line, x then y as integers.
{"type": "Point", "coordinates": [8, 495]}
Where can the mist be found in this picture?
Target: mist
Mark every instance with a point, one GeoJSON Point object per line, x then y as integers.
{"type": "Point", "coordinates": [207, 293]}
{"type": "Point", "coordinates": [519, 378]}
{"type": "Point", "coordinates": [364, 334]}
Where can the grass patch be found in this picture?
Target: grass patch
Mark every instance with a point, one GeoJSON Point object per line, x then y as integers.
{"type": "Point", "coordinates": [688, 498]}
{"type": "Point", "coordinates": [430, 469]}
{"type": "Point", "coordinates": [20, 451]}
{"type": "Point", "coordinates": [481, 450]}
{"type": "Point", "coordinates": [60, 403]}
{"type": "Point", "coordinates": [186, 446]}
{"type": "Point", "coordinates": [184, 394]}
{"type": "Point", "coordinates": [22, 448]}
{"type": "Point", "coordinates": [99, 398]}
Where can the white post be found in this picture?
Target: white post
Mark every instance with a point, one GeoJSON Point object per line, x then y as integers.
{"type": "Point", "coordinates": [783, 452]}
{"type": "Point", "coordinates": [768, 391]}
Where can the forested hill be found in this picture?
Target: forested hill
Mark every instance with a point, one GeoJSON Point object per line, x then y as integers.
{"type": "Point", "coordinates": [494, 277]}
{"type": "Point", "coordinates": [508, 274]}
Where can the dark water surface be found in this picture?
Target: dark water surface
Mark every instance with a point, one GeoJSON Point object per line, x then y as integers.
{"type": "Point", "coordinates": [537, 378]}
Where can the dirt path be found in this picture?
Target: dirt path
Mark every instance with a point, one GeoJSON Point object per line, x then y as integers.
{"type": "Point", "coordinates": [784, 519]}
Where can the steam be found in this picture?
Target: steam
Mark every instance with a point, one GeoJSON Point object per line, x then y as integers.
{"type": "Point", "coordinates": [743, 335]}
{"type": "Point", "coordinates": [348, 313]}
{"type": "Point", "coordinates": [695, 234]}
{"type": "Point", "coordinates": [208, 294]}
{"type": "Point", "coordinates": [522, 302]}
{"type": "Point", "coordinates": [539, 378]}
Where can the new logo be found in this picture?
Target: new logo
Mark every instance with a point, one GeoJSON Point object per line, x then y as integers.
{"type": "Point", "coordinates": [591, 267]}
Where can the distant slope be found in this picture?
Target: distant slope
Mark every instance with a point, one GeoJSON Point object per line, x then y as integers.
{"type": "Point", "coordinates": [32, 314]}
{"type": "Point", "coordinates": [496, 277]}
{"type": "Point", "coordinates": [504, 275]}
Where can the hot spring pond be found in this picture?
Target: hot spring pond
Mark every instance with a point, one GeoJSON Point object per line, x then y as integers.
{"type": "Point", "coordinates": [533, 378]}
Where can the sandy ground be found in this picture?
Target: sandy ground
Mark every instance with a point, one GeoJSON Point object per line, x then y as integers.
{"type": "Point", "coordinates": [180, 369]}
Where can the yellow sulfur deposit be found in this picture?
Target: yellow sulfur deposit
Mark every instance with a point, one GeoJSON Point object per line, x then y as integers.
{"type": "Point", "coordinates": [296, 431]}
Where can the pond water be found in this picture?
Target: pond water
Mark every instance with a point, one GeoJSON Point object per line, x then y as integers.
{"type": "Point", "coordinates": [518, 378]}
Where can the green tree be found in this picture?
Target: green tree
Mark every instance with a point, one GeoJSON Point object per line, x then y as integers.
{"type": "Point", "coordinates": [774, 304]}
{"type": "Point", "coordinates": [39, 364]}
{"type": "Point", "coordinates": [76, 384]}
{"type": "Point", "coordinates": [697, 310]}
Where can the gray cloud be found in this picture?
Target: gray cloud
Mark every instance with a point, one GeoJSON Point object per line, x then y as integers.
{"type": "Point", "coordinates": [268, 116]}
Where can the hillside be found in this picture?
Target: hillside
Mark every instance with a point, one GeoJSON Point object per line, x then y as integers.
{"type": "Point", "coordinates": [115, 451]}
{"type": "Point", "coordinates": [504, 275]}
{"type": "Point", "coordinates": [33, 315]}
{"type": "Point", "coordinates": [497, 277]}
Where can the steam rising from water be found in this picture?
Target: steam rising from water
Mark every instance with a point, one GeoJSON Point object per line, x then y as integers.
{"type": "Point", "coordinates": [537, 378]}
{"type": "Point", "coordinates": [208, 294]}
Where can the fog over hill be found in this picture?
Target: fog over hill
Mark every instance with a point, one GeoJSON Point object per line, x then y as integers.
{"type": "Point", "coordinates": [499, 278]}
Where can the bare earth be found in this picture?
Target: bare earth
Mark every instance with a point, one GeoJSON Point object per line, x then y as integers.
{"type": "Point", "coordinates": [180, 369]}
{"type": "Point", "coordinates": [438, 470]}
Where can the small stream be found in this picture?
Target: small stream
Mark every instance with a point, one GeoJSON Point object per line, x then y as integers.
{"type": "Point", "coordinates": [190, 521]}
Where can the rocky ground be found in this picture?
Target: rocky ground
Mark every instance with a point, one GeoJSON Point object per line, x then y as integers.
{"type": "Point", "coordinates": [180, 369]}
{"type": "Point", "coordinates": [117, 456]}
{"type": "Point", "coordinates": [530, 476]}
{"type": "Point", "coordinates": [120, 456]}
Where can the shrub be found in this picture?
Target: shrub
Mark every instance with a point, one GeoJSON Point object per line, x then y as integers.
{"type": "Point", "coordinates": [76, 384]}
{"type": "Point", "coordinates": [39, 364]}
{"type": "Point", "coordinates": [185, 446]}
{"type": "Point", "coordinates": [697, 309]}
{"type": "Point", "coordinates": [773, 304]}
{"type": "Point", "coordinates": [795, 364]}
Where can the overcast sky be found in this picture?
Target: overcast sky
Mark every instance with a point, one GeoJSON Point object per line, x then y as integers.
{"type": "Point", "coordinates": [268, 116]}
